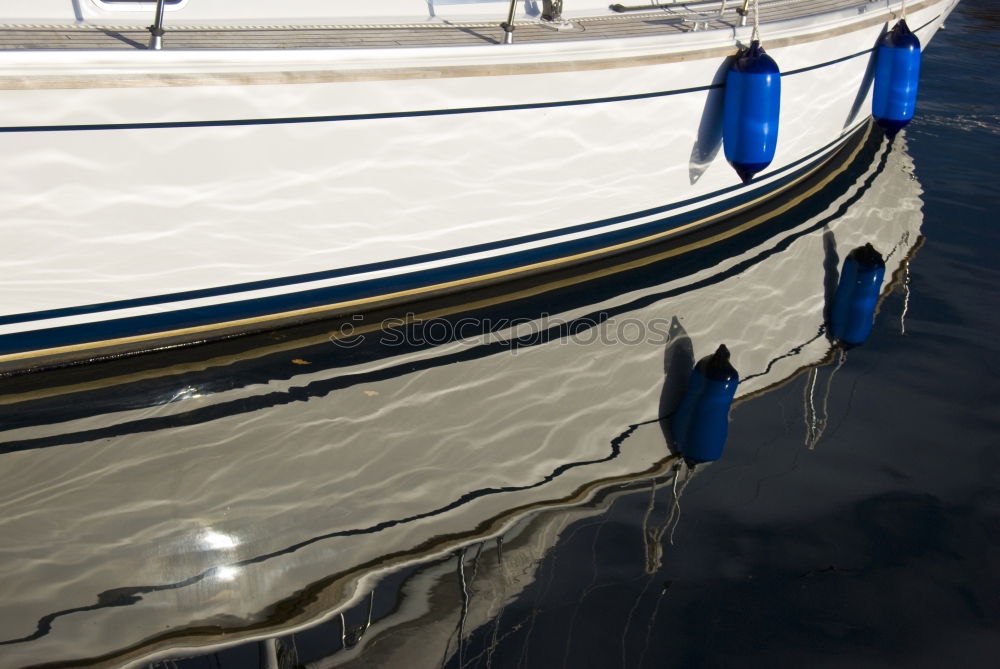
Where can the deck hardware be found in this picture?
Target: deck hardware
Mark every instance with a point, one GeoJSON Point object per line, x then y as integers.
{"type": "Point", "coordinates": [156, 30]}
{"type": "Point", "coordinates": [744, 11]}
{"type": "Point", "coordinates": [552, 10]}
{"type": "Point", "coordinates": [508, 25]}
{"type": "Point", "coordinates": [697, 22]}
{"type": "Point", "coordinates": [638, 8]}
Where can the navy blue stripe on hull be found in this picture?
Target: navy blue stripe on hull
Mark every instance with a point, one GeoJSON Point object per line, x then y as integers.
{"type": "Point", "coordinates": [153, 324]}
{"type": "Point", "coordinates": [415, 260]}
{"type": "Point", "coordinates": [767, 240]}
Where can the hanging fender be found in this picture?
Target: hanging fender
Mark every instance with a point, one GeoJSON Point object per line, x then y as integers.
{"type": "Point", "coordinates": [897, 74]}
{"type": "Point", "coordinates": [750, 111]}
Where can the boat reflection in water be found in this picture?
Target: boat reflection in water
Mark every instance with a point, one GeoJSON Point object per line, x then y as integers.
{"type": "Point", "coordinates": [324, 484]}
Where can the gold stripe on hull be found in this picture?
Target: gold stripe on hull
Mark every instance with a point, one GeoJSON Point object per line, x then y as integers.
{"type": "Point", "coordinates": [256, 324]}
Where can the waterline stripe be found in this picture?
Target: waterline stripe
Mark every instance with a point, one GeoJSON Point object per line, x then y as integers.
{"type": "Point", "coordinates": [345, 379]}
{"type": "Point", "coordinates": [78, 339]}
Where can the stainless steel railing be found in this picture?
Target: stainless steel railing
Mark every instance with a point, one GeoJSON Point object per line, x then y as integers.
{"type": "Point", "coordinates": [553, 10]}
{"type": "Point", "coordinates": [508, 25]}
{"type": "Point", "coordinates": [156, 30]}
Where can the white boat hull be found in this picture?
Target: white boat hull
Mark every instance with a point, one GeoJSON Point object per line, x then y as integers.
{"type": "Point", "coordinates": [161, 197]}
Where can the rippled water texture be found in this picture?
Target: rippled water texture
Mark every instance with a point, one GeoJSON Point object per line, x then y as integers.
{"type": "Point", "coordinates": [875, 544]}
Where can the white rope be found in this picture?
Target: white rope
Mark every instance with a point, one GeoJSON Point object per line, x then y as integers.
{"type": "Point", "coordinates": [755, 35]}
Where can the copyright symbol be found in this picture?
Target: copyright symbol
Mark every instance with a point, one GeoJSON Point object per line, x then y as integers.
{"type": "Point", "coordinates": [344, 335]}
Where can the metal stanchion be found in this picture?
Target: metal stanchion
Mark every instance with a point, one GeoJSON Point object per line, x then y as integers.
{"type": "Point", "coordinates": [156, 30]}
{"type": "Point", "coordinates": [508, 26]}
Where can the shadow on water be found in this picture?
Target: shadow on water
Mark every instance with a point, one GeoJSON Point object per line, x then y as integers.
{"type": "Point", "coordinates": [678, 360]}
{"type": "Point", "coordinates": [831, 271]}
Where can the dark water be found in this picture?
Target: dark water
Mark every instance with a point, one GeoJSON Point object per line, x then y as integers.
{"type": "Point", "coordinates": [876, 545]}
{"type": "Point", "coordinates": [854, 519]}
{"type": "Point", "coordinates": [879, 546]}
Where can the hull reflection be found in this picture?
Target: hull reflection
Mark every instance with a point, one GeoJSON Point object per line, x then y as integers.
{"type": "Point", "coordinates": [252, 492]}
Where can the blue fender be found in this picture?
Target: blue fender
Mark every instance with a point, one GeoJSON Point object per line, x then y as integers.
{"type": "Point", "coordinates": [853, 311]}
{"type": "Point", "coordinates": [701, 423]}
{"type": "Point", "coordinates": [750, 111]}
{"type": "Point", "coordinates": [897, 74]}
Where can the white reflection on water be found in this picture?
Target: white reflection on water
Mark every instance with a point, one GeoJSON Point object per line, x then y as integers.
{"type": "Point", "coordinates": [212, 540]}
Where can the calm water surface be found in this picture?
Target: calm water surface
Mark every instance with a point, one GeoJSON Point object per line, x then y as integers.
{"type": "Point", "coordinates": [513, 502]}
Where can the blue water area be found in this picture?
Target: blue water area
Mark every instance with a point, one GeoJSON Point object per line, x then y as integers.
{"type": "Point", "coordinates": [380, 502]}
